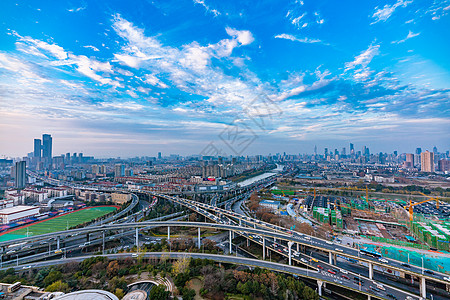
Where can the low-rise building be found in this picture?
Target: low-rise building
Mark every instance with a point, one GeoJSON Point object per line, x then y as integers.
{"type": "Point", "coordinates": [119, 198]}
{"type": "Point", "coordinates": [17, 213]}
{"type": "Point", "coordinates": [271, 204]}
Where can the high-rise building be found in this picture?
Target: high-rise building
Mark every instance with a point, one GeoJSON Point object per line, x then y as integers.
{"type": "Point", "coordinates": [95, 169]}
{"type": "Point", "coordinates": [427, 161]}
{"type": "Point", "coordinates": [444, 165]}
{"type": "Point", "coordinates": [20, 174]}
{"type": "Point", "coordinates": [119, 170]}
{"type": "Point", "coordinates": [409, 163]}
{"type": "Point", "coordinates": [159, 155]}
{"type": "Point", "coordinates": [47, 146]}
{"type": "Point", "coordinates": [418, 150]}
{"type": "Point", "coordinates": [37, 148]}
{"type": "Point", "coordinates": [352, 148]}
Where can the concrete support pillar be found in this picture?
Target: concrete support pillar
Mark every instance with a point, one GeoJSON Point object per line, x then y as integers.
{"type": "Point", "coordinates": [319, 287]}
{"type": "Point", "coordinates": [369, 297]}
{"type": "Point", "coordinates": [335, 258]}
{"type": "Point", "coordinates": [58, 240]}
{"type": "Point", "coordinates": [248, 242]}
{"type": "Point", "coordinates": [103, 242]}
{"type": "Point", "coordinates": [290, 252]}
{"type": "Point", "coordinates": [230, 241]}
{"type": "Point", "coordinates": [240, 222]}
{"type": "Point", "coordinates": [137, 238]}
{"type": "Point", "coordinates": [168, 233]}
{"type": "Point", "coordinates": [370, 270]}
{"type": "Point", "coordinates": [298, 247]}
{"type": "Point", "coordinates": [330, 258]}
{"type": "Point", "coordinates": [87, 237]}
{"type": "Point", "coordinates": [199, 239]}
{"type": "Point", "coordinates": [264, 248]}
{"type": "Point", "coordinates": [423, 288]}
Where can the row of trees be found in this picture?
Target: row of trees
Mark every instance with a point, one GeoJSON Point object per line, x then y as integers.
{"type": "Point", "coordinates": [220, 281]}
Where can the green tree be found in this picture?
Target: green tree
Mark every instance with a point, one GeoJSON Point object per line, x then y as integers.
{"type": "Point", "coordinates": [58, 286]}
{"type": "Point", "coordinates": [158, 292]}
{"type": "Point", "coordinates": [52, 277]}
{"type": "Point", "coordinates": [119, 293]}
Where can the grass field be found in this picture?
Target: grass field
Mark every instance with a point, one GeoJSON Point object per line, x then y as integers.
{"type": "Point", "coordinates": [58, 223]}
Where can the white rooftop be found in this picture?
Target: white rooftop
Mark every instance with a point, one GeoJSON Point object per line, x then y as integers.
{"type": "Point", "coordinates": [15, 209]}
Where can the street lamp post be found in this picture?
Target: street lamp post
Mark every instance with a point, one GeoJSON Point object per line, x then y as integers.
{"type": "Point", "coordinates": [422, 265]}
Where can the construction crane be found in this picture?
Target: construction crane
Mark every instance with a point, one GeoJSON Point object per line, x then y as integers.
{"type": "Point", "coordinates": [411, 205]}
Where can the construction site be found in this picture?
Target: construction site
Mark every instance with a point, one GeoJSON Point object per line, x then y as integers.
{"type": "Point", "coordinates": [422, 225]}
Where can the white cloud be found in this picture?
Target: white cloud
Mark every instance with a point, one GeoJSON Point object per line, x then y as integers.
{"type": "Point", "coordinates": [215, 12]}
{"type": "Point", "coordinates": [296, 21]}
{"type": "Point", "coordinates": [293, 38]}
{"type": "Point", "coordinates": [155, 81]}
{"type": "Point", "coordinates": [364, 58]}
{"type": "Point", "coordinates": [77, 9]}
{"type": "Point", "coordinates": [244, 37]}
{"type": "Point", "coordinates": [384, 13]}
{"type": "Point", "coordinates": [92, 47]}
{"type": "Point", "coordinates": [410, 35]}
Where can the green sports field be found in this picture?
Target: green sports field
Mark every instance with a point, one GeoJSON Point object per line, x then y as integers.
{"type": "Point", "coordinates": [59, 223]}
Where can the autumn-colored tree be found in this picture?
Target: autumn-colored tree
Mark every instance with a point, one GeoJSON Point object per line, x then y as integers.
{"type": "Point", "coordinates": [113, 268]}
{"type": "Point", "coordinates": [181, 265]}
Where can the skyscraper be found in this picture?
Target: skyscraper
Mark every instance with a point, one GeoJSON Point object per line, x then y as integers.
{"type": "Point", "coordinates": [409, 160]}
{"type": "Point", "coordinates": [37, 148]}
{"type": "Point", "coordinates": [427, 161]}
{"type": "Point", "coordinates": [21, 174]}
{"type": "Point", "coordinates": [159, 155]}
{"type": "Point", "coordinates": [352, 149]}
{"type": "Point", "coordinates": [119, 170]}
{"type": "Point", "coordinates": [47, 146]}
{"type": "Point", "coordinates": [418, 150]}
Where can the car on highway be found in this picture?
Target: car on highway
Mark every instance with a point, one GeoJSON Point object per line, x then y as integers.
{"type": "Point", "coordinates": [331, 271]}
{"type": "Point", "coordinates": [320, 267]}
{"type": "Point", "coordinates": [429, 272]}
{"type": "Point", "coordinates": [26, 267]}
{"type": "Point", "coordinates": [447, 278]}
{"type": "Point", "coordinates": [303, 260]}
{"type": "Point", "coordinates": [329, 243]}
{"type": "Point", "coordinates": [344, 271]}
{"type": "Point", "coordinates": [345, 277]}
{"type": "Point", "coordinates": [337, 249]}
{"type": "Point", "coordinates": [383, 260]}
{"type": "Point", "coordinates": [134, 255]}
{"type": "Point", "coordinates": [314, 260]}
{"type": "Point", "coordinates": [389, 295]}
{"type": "Point", "coordinates": [406, 265]}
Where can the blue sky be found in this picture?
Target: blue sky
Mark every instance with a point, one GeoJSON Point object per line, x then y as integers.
{"type": "Point", "coordinates": [126, 78]}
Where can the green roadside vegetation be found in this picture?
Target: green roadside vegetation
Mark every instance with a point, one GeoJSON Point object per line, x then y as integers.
{"type": "Point", "coordinates": [192, 277]}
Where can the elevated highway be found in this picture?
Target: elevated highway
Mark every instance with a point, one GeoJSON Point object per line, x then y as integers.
{"type": "Point", "coordinates": [322, 278]}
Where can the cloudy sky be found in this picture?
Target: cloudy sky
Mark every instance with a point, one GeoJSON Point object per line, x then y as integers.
{"type": "Point", "coordinates": [126, 78]}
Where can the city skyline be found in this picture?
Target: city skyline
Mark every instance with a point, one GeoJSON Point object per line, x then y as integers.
{"type": "Point", "coordinates": [40, 148]}
{"type": "Point", "coordinates": [110, 80]}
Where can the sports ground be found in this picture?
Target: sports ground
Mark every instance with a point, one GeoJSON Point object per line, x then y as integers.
{"type": "Point", "coordinates": [58, 223]}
